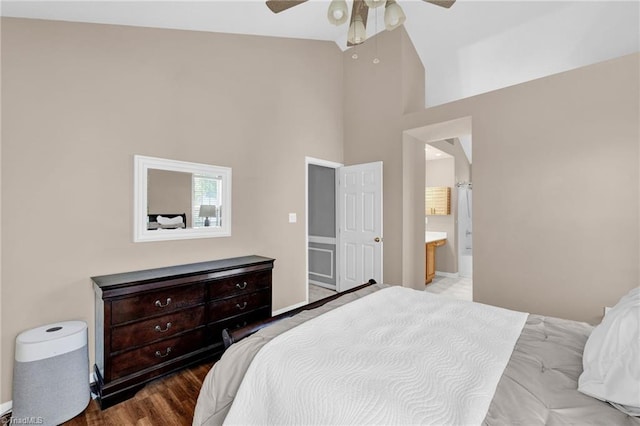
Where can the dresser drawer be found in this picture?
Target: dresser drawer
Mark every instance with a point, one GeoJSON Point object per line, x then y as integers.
{"type": "Point", "coordinates": [143, 332]}
{"type": "Point", "coordinates": [155, 353]}
{"type": "Point", "coordinates": [237, 305]}
{"type": "Point", "coordinates": [155, 303]}
{"type": "Point", "coordinates": [246, 283]}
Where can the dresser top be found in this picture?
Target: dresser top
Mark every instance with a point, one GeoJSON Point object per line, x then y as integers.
{"type": "Point", "coordinates": [114, 280]}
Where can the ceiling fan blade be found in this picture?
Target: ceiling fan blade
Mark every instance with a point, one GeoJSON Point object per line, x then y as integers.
{"type": "Point", "coordinates": [443, 3]}
{"type": "Point", "coordinates": [278, 6]}
{"type": "Point", "coordinates": [360, 9]}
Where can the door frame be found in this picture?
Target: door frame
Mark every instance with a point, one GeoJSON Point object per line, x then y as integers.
{"type": "Point", "coordinates": [413, 173]}
{"type": "Point", "coordinates": [324, 163]}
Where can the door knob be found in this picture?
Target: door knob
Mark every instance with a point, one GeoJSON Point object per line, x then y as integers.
{"type": "Point", "coordinates": [377, 239]}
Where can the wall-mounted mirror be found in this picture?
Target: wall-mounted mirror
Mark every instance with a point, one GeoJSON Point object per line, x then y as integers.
{"type": "Point", "coordinates": [176, 200]}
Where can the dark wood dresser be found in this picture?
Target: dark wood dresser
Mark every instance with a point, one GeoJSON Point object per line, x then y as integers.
{"type": "Point", "coordinates": [154, 322]}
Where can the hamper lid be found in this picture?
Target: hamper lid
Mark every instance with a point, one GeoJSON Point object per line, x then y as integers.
{"type": "Point", "coordinates": [50, 340]}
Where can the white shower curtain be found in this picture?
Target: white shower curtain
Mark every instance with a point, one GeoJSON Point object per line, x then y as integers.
{"type": "Point", "coordinates": [465, 230]}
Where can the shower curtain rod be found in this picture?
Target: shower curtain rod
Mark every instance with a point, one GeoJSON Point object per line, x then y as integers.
{"type": "Point", "coordinates": [469, 184]}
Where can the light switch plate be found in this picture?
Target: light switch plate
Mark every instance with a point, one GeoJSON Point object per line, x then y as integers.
{"type": "Point", "coordinates": [293, 218]}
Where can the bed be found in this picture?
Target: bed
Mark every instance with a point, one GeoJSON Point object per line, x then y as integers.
{"type": "Point", "coordinates": [536, 385]}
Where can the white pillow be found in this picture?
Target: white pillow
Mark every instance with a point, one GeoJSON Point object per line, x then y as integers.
{"type": "Point", "coordinates": [177, 220]}
{"type": "Point", "coordinates": [611, 357]}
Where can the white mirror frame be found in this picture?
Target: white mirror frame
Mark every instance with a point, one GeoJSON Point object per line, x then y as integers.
{"type": "Point", "coordinates": [142, 165]}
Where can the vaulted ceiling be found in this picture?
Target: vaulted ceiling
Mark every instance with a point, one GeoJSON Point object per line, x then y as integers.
{"type": "Point", "coordinates": [474, 47]}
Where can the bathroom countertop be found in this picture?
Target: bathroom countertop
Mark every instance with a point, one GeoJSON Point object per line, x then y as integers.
{"type": "Point", "coordinates": [431, 236]}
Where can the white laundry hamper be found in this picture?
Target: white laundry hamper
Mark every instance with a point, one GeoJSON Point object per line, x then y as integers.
{"type": "Point", "coordinates": [51, 373]}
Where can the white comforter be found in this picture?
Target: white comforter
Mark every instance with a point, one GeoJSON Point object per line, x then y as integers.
{"type": "Point", "coordinates": [398, 356]}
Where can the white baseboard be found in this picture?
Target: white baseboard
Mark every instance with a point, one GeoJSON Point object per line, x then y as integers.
{"type": "Point", "coordinates": [448, 274]}
{"type": "Point", "coordinates": [288, 308]}
{"type": "Point", "coordinates": [5, 407]}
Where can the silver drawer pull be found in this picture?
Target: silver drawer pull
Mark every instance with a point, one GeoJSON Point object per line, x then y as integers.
{"type": "Point", "coordinates": [242, 286]}
{"type": "Point", "coordinates": [244, 305]}
{"type": "Point", "coordinates": [158, 328]}
{"type": "Point", "coordinates": [160, 305]}
{"type": "Point", "coordinates": [167, 352]}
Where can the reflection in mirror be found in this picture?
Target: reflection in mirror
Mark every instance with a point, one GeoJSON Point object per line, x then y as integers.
{"type": "Point", "coordinates": [177, 200]}
{"type": "Point", "coordinates": [168, 196]}
{"type": "Point", "coordinates": [207, 191]}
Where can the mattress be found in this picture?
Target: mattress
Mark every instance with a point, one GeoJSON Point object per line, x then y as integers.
{"type": "Point", "coordinates": [538, 385]}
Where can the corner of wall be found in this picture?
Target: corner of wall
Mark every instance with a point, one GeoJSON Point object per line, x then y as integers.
{"type": "Point", "coordinates": [373, 117]}
{"type": "Point", "coordinates": [413, 172]}
{"type": "Point", "coordinates": [413, 76]}
{"type": "Point", "coordinates": [2, 379]}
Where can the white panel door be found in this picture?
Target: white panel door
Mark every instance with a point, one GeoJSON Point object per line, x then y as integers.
{"type": "Point", "coordinates": [359, 224]}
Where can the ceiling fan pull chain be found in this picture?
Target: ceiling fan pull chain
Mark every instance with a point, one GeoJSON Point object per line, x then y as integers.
{"type": "Point", "coordinates": [376, 59]}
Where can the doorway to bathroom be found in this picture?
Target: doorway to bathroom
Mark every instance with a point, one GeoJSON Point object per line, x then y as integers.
{"type": "Point", "coordinates": [449, 217]}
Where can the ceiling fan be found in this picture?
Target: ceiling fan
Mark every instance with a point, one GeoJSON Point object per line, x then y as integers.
{"type": "Point", "coordinates": [338, 14]}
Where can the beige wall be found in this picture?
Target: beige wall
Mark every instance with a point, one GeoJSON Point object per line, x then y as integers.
{"type": "Point", "coordinates": [549, 155]}
{"type": "Point", "coordinates": [2, 345]}
{"type": "Point", "coordinates": [413, 266]}
{"type": "Point", "coordinates": [169, 192]}
{"type": "Point", "coordinates": [555, 174]}
{"type": "Point", "coordinates": [556, 228]}
{"type": "Point", "coordinates": [79, 100]}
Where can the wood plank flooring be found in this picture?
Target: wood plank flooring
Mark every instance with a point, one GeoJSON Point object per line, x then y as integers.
{"type": "Point", "coordinates": [166, 401]}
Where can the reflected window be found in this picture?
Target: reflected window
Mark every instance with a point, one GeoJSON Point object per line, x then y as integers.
{"type": "Point", "coordinates": [206, 206]}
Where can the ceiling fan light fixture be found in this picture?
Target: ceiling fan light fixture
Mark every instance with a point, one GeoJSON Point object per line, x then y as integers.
{"type": "Point", "coordinates": [338, 13]}
{"type": "Point", "coordinates": [393, 15]}
{"type": "Point", "coordinates": [357, 33]}
{"type": "Point", "coordinates": [375, 3]}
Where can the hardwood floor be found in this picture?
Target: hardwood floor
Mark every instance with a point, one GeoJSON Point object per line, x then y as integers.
{"type": "Point", "coordinates": [168, 401]}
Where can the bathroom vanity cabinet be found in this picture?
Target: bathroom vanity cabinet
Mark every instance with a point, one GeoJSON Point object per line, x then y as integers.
{"type": "Point", "coordinates": [430, 249]}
